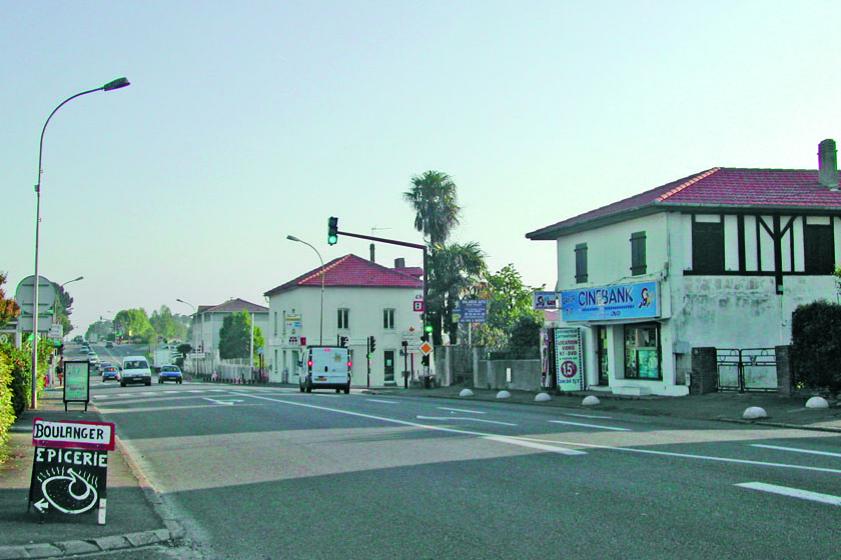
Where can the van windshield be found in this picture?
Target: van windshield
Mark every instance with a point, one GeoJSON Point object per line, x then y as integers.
{"type": "Point", "coordinates": [135, 364]}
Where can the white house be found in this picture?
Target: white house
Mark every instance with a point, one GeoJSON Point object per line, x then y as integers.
{"type": "Point", "coordinates": [717, 259]}
{"type": "Point", "coordinates": [208, 320]}
{"type": "Point", "coordinates": [361, 299]}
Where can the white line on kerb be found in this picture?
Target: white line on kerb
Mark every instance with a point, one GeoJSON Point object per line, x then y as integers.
{"type": "Point", "coordinates": [598, 426]}
{"type": "Point", "coordinates": [382, 401]}
{"type": "Point", "coordinates": [555, 442]}
{"type": "Point", "coordinates": [512, 440]}
{"type": "Point", "coordinates": [461, 410]}
{"type": "Point", "coordinates": [464, 418]}
{"type": "Point", "coordinates": [793, 492]}
{"type": "Point", "coordinates": [587, 416]}
{"type": "Point", "coordinates": [796, 450]}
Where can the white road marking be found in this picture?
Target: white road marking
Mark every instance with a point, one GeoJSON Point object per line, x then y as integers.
{"type": "Point", "coordinates": [598, 426]}
{"type": "Point", "coordinates": [143, 394]}
{"type": "Point", "coordinates": [378, 400]}
{"type": "Point", "coordinates": [555, 442]}
{"type": "Point", "coordinates": [793, 492]}
{"type": "Point", "coordinates": [513, 440]}
{"type": "Point", "coordinates": [461, 410]}
{"type": "Point", "coordinates": [796, 450]}
{"type": "Point", "coordinates": [464, 418]}
{"type": "Point", "coordinates": [227, 403]}
{"type": "Point", "coordinates": [197, 391]}
{"type": "Point", "coordinates": [587, 415]}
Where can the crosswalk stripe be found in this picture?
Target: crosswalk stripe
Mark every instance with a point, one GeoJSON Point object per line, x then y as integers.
{"type": "Point", "coordinates": [793, 492]}
{"type": "Point", "coordinates": [796, 450]}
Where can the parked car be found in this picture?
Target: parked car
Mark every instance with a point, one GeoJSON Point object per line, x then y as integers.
{"type": "Point", "coordinates": [109, 344]}
{"type": "Point", "coordinates": [110, 372]}
{"type": "Point", "coordinates": [170, 373]}
{"type": "Point", "coordinates": [135, 370]}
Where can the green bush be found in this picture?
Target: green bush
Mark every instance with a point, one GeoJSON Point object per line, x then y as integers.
{"type": "Point", "coordinates": [7, 413]}
{"type": "Point", "coordinates": [816, 345]}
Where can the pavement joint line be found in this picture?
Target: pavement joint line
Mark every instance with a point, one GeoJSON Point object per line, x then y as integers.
{"type": "Point", "coordinates": [461, 410]}
{"type": "Point", "coordinates": [555, 442]}
{"type": "Point", "coordinates": [419, 417]}
{"type": "Point", "coordinates": [796, 450]}
{"type": "Point", "coordinates": [598, 426]}
{"type": "Point", "coordinates": [792, 492]}
{"type": "Point", "coordinates": [779, 425]}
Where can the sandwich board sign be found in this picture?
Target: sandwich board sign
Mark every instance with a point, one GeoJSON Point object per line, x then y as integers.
{"type": "Point", "coordinates": [77, 382]}
{"type": "Point", "coordinates": [70, 470]}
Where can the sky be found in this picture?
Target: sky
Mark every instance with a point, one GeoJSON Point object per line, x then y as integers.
{"type": "Point", "coordinates": [249, 121]}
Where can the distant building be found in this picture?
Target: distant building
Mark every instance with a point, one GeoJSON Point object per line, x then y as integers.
{"type": "Point", "coordinates": [717, 259]}
{"type": "Point", "coordinates": [208, 322]}
{"type": "Point", "coordinates": [361, 299]}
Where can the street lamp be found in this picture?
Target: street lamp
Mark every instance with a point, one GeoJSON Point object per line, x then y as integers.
{"type": "Point", "coordinates": [321, 319]}
{"type": "Point", "coordinates": [112, 85]}
{"type": "Point", "coordinates": [55, 303]}
{"type": "Point", "coordinates": [195, 320]}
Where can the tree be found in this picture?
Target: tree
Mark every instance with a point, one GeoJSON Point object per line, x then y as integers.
{"type": "Point", "coordinates": [63, 307]}
{"type": "Point", "coordinates": [455, 269]}
{"type": "Point", "coordinates": [524, 340]}
{"type": "Point", "coordinates": [510, 298]}
{"type": "Point", "coordinates": [134, 323]}
{"type": "Point", "coordinates": [235, 336]}
{"type": "Point", "coordinates": [8, 307]}
{"type": "Point", "coordinates": [433, 197]}
{"type": "Point", "coordinates": [166, 325]}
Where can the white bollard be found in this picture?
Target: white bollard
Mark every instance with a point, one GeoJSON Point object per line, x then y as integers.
{"type": "Point", "coordinates": [503, 395]}
{"type": "Point", "coordinates": [591, 401]}
{"type": "Point", "coordinates": [542, 397]}
{"type": "Point", "coordinates": [754, 412]}
{"type": "Point", "coordinates": [817, 402]}
{"type": "Point", "coordinates": [465, 393]}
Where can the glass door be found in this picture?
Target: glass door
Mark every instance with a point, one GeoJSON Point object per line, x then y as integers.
{"type": "Point", "coordinates": [601, 354]}
{"type": "Point", "coordinates": [642, 351]}
{"type": "Point", "coordinates": [388, 356]}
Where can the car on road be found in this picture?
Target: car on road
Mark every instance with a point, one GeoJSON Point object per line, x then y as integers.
{"type": "Point", "coordinates": [328, 367]}
{"type": "Point", "coordinates": [109, 344]}
{"type": "Point", "coordinates": [135, 370]}
{"type": "Point", "coordinates": [170, 373]}
{"type": "Point", "coordinates": [110, 372]}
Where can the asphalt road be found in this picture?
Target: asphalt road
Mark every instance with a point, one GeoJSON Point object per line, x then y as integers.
{"type": "Point", "coordinates": [274, 473]}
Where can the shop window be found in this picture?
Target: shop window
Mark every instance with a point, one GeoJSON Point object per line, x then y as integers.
{"type": "Point", "coordinates": [638, 253]}
{"type": "Point", "coordinates": [819, 249]}
{"type": "Point", "coordinates": [581, 263]}
{"type": "Point", "coordinates": [708, 247]}
{"type": "Point", "coordinates": [642, 351]}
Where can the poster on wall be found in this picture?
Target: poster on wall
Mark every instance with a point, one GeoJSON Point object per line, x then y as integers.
{"type": "Point", "coordinates": [569, 361]}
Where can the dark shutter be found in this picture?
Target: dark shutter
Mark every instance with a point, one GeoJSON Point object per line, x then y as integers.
{"type": "Point", "coordinates": [581, 263]}
{"type": "Point", "coordinates": [819, 249]}
{"type": "Point", "coordinates": [638, 253]}
{"type": "Point", "coordinates": [708, 247]}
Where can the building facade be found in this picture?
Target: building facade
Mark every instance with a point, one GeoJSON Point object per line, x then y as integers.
{"type": "Point", "coordinates": [718, 259]}
{"type": "Point", "coordinates": [208, 322]}
{"type": "Point", "coordinates": [361, 299]}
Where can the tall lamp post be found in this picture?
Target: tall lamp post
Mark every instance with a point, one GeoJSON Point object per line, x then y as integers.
{"type": "Point", "coordinates": [321, 319]}
{"type": "Point", "coordinates": [55, 304]}
{"type": "Point", "coordinates": [195, 320]}
{"type": "Point", "coordinates": [112, 85]}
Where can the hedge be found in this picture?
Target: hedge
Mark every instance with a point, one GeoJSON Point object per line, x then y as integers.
{"type": "Point", "coordinates": [15, 381]}
{"type": "Point", "coordinates": [816, 345]}
{"type": "Point", "coordinates": [7, 413]}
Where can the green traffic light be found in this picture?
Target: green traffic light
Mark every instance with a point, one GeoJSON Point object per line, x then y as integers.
{"type": "Point", "coordinates": [427, 328]}
{"type": "Point", "coordinates": [332, 239]}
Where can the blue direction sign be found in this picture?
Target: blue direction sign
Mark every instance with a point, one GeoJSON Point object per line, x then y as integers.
{"type": "Point", "coordinates": [472, 311]}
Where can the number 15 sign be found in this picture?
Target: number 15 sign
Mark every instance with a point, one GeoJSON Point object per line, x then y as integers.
{"type": "Point", "coordinates": [568, 359]}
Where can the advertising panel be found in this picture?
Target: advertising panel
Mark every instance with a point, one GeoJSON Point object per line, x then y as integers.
{"type": "Point", "coordinates": [569, 361]}
{"type": "Point", "coordinates": [76, 382]}
{"type": "Point", "coordinates": [615, 302]}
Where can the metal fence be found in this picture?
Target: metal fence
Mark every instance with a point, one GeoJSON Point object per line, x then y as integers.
{"type": "Point", "coordinates": [747, 369]}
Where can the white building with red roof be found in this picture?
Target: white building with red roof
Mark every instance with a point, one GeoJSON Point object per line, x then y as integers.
{"type": "Point", "coordinates": [361, 299]}
{"type": "Point", "coordinates": [207, 323]}
{"type": "Point", "coordinates": [717, 259]}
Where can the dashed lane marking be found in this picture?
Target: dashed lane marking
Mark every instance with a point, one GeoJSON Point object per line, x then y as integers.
{"type": "Point", "coordinates": [592, 416]}
{"type": "Point", "coordinates": [464, 418]}
{"type": "Point", "coordinates": [596, 426]}
{"type": "Point", "coordinates": [382, 401]}
{"type": "Point", "coordinates": [461, 410]}
{"type": "Point", "coordinates": [792, 492]}
{"type": "Point", "coordinates": [796, 450]}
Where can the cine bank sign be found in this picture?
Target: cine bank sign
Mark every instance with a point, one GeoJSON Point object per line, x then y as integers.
{"type": "Point", "coordinates": [615, 302]}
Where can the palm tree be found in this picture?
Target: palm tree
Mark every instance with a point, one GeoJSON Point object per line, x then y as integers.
{"type": "Point", "coordinates": [456, 268]}
{"type": "Point", "coordinates": [433, 197]}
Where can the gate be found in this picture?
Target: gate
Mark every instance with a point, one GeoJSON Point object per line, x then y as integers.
{"type": "Point", "coordinates": [747, 369]}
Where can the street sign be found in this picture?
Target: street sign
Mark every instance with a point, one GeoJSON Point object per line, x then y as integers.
{"type": "Point", "coordinates": [426, 348]}
{"type": "Point", "coordinates": [96, 436]}
{"type": "Point", "coordinates": [417, 306]}
{"type": "Point", "coordinates": [77, 382]}
{"type": "Point", "coordinates": [569, 359]}
{"type": "Point", "coordinates": [545, 300]}
{"type": "Point", "coordinates": [472, 311]}
{"type": "Point", "coordinates": [25, 323]}
{"type": "Point", "coordinates": [25, 295]}
{"type": "Point", "coordinates": [56, 330]}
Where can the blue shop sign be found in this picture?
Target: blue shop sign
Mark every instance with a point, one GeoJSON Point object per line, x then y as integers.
{"type": "Point", "coordinates": [620, 301]}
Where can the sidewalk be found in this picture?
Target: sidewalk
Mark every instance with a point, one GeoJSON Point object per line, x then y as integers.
{"type": "Point", "coordinates": [728, 407]}
{"type": "Point", "coordinates": [134, 514]}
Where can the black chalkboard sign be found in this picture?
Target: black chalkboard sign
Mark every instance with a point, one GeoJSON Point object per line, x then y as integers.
{"type": "Point", "coordinates": [69, 481]}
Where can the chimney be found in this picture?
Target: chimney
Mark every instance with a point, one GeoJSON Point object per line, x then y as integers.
{"type": "Point", "coordinates": [400, 263]}
{"type": "Point", "coordinates": [828, 164]}
{"type": "Point", "coordinates": [372, 253]}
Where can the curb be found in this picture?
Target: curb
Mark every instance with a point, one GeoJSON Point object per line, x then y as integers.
{"type": "Point", "coordinates": [172, 532]}
{"type": "Point", "coordinates": [779, 425]}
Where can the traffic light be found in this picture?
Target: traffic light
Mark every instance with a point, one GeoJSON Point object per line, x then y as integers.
{"type": "Point", "coordinates": [425, 360]}
{"type": "Point", "coordinates": [332, 230]}
{"type": "Point", "coordinates": [372, 344]}
{"type": "Point", "coordinates": [343, 342]}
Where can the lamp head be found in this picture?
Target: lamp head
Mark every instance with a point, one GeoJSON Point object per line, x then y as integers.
{"type": "Point", "coordinates": [116, 84]}
{"type": "Point", "coordinates": [292, 238]}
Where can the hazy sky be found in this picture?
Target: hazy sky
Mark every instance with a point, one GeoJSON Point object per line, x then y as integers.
{"type": "Point", "coordinates": [248, 121]}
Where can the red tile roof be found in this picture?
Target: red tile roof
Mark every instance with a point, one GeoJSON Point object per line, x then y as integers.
{"type": "Point", "coordinates": [234, 306]}
{"type": "Point", "coordinates": [718, 188]}
{"type": "Point", "coordinates": [352, 271]}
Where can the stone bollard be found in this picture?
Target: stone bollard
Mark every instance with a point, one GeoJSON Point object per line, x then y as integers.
{"type": "Point", "coordinates": [465, 393]}
{"type": "Point", "coordinates": [542, 397]}
{"type": "Point", "coordinates": [817, 402]}
{"type": "Point", "coordinates": [591, 401]}
{"type": "Point", "coordinates": [503, 395]}
{"type": "Point", "coordinates": [754, 412]}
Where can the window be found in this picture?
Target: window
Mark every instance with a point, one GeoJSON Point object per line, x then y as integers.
{"type": "Point", "coordinates": [344, 318]}
{"type": "Point", "coordinates": [707, 247]}
{"type": "Point", "coordinates": [819, 249]}
{"type": "Point", "coordinates": [388, 319]}
{"type": "Point", "coordinates": [638, 253]}
{"type": "Point", "coordinates": [275, 323]}
{"type": "Point", "coordinates": [642, 351]}
{"type": "Point", "coordinates": [581, 263]}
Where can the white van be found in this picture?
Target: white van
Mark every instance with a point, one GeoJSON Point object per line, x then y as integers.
{"type": "Point", "coordinates": [135, 370]}
{"type": "Point", "coordinates": [328, 367]}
